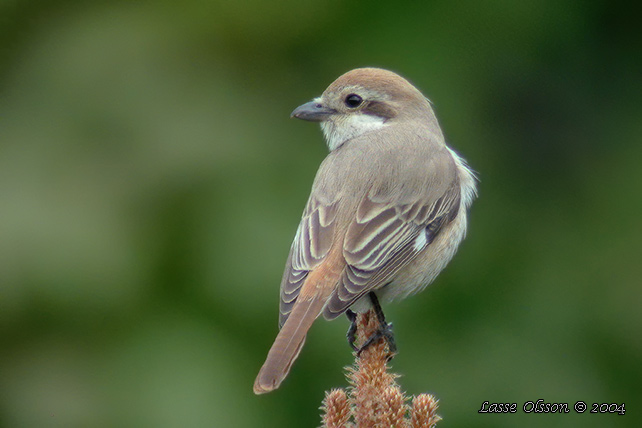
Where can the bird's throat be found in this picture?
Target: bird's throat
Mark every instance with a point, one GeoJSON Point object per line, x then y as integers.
{"type": "Point", "coordinates": [346, 127]}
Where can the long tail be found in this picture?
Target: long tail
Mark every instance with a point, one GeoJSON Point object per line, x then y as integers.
{"type": "Point", "coordinates": [288, 344]}
{"type": "Point", "coordinates": [314, 294]}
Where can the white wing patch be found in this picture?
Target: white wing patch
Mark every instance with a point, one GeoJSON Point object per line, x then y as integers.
{"type": "Point", "coordinates": [421, 241]}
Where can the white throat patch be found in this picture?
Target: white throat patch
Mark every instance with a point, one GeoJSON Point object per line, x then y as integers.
{"type": "Point", "coordinates": [349, 126]}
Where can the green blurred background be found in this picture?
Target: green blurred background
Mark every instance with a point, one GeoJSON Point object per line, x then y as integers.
{"type": "Point", "coordinates": [151, 182]}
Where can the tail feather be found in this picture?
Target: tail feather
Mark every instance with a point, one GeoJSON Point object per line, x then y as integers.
{"type": "Point", "coordinates": [288, 344]}
{"type": "Point", "coordinates": [311, 300]}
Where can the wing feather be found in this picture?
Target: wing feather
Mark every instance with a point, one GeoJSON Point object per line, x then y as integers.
{"type": "Point", "coordinates": [383, 218]}
{"type": "Point", "coordinates": [375, 253]}
{"type": "Point", "coordinates": [311, 245]}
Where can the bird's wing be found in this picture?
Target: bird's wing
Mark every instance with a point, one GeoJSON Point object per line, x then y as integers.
{"type": "Point", "coordinates": [311, 245]}
{"type": "Point", "coordinates": [401, 202]}
{"type": "Point", "coordinates": [384, 236]}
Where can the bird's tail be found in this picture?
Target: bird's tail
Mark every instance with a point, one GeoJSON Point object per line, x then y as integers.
{"type": "Point", "coordinates": [314, 294]}
{"type": "Point", "coordinates": [288, 343]}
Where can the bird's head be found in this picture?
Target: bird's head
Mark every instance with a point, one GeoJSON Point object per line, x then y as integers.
{"type": "Point", "coordinates": [361, 101]}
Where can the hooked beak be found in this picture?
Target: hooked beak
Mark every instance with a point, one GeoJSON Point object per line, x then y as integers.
{"type": "Point", "coordinates": [313, 111]}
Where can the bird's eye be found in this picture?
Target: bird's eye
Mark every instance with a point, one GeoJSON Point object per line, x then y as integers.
{"type": "Point", "coordinates": [353, 100]}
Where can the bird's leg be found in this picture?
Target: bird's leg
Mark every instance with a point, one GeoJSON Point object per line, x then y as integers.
{"type": "Point", "coordinates": [351, 335]}
{"type": "Point", "coordinates": [385, 329]}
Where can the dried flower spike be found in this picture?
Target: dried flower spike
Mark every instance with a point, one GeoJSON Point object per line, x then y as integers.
{"type": "Point", "coordinates": [375, 399]}
{"type": "Point", "coordinates": [424, 411]}
{"type": "Point", "coordinates": [336, 409]}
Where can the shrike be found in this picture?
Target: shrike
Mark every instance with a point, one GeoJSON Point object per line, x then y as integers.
{"type": "Point", "coordinates": [387, 211]}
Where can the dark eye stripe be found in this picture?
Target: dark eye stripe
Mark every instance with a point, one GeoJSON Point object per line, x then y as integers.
{"type": "Point", "coordinates": [380, 109]}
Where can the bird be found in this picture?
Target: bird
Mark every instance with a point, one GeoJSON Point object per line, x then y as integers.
{"type": "Point", "coordinates": [387, 210]}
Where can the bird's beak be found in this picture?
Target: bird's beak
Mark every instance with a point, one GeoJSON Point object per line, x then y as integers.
{"type": "Point", "coordinates": [314, 111]}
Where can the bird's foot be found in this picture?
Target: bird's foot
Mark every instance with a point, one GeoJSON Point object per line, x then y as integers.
{"type": "Point", "coordinates": [351, 335]}
{"type": "Point", "coordinates": [384, 331]}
